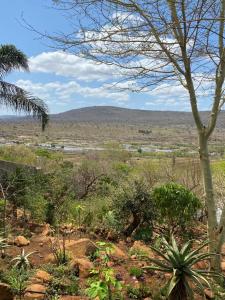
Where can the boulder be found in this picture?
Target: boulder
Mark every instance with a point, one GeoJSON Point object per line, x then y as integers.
{"type": "Point", "coordinates": [5, 292]}
{"type": "Point", "coordinates": [209, 294]}
{"type": "Point", "coordinates": [223, 266]}
{"type": "Point", "coordinates": [118, 253]}
{"type": "Point", "coordinates": [73, 298]}
{"type": "Point", "coordinates": [34, 296]}
{"type": "Point", "coordinates": [81, 247]}
{"type": "Point", "coordinates": [42, 276]}
{"type": "Point", "coordinates": [36, 289]}
{"type": "Point", "coordinates": [202, 265]}
{"type": "Point", "coordinates": [84, 266]}
{"type": "Point", "coordinates": [21, 241]}
{"type": "Point", "coordinates": [141, 248]}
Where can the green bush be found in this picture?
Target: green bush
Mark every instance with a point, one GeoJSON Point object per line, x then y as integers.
{"type": "Point", "coordinates": [133, 206]}
{"type": "Point", "coordinates": [175, 205]}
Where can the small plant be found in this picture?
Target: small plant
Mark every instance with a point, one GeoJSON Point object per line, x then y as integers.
{"type": "Point", "coordinates": [137, 272]}
{"type": "Point", "coordinates": [17, 279]}
{"type": "Point", "coordinates": [179, 263]}
{"type": "Point", "coordinates": [64, 281]}
{"type": "Point", "coordinates": [104, 284]}
{"type": "Point", "coordinates": [104, 251]}
{"type": "Point", "coordinates": [59, 251]}
{"type": "Point", "coordinates": [138, 292]}
{"type": "Point", "coordinates": [22, 260]}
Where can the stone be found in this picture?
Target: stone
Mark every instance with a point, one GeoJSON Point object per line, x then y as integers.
{"type": "Point", "coordinates": [49, 259]}
{"type": "Point", "coordinates": [81, 247]}
{"type": "Point", "coordinates": [34, 296]}
{"type": "Point", "coordinates": [118, 253]}
{"type": "Point", "coordinates": [21, 241]}
{"type": "Point", "coordinates": [36, 289]}
{"type": "Point", "coordinates": [84, 265]}
{"type": "Point", "coordinates": [73, 298]}
{"type": "Point", "coordinates": [209, 294]}
{"type": "Point", "coordinates": [5, 292]}
{"type": "Point", "coordinates": [223, 266]}
{"type": "Point", "coordinates": [43, 276]}
{"type": "Point", "coordinates": [202, 265]}
{"type": "Point", "coordinates": [142, 248]}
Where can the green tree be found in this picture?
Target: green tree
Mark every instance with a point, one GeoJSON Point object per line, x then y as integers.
{"type": "Point", "coordinates": [13, 96]}
{"type": "Point", "coordinates": [176, 206]}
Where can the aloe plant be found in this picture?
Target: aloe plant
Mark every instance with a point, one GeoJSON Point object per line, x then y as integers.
{"type": "Point", "coordinates": [179, 262]}
{"type": "Point", "coordinates": [22, 260]}
{"type": "Point", "coordinates": [3, 245]}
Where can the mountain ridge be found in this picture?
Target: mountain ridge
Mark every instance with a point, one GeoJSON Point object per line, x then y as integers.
{"type": "Point", "coordinates": [107, 114]}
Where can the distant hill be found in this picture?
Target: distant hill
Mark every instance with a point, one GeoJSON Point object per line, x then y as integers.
{"type": "Point", "coordinates": [125, 115]}
{"type": "Point", "coordinates": [109, 114]}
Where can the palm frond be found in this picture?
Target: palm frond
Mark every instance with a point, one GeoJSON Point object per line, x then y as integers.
{"type": "Point", "coordinates": [19, 100]}
{"type": "Point", "coordinates": [11, 59]}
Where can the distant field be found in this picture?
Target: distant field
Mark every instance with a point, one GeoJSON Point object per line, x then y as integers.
{"type": "Point", "coordinates": [162, 132]}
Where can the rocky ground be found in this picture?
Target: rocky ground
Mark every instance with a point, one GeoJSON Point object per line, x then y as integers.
{"type": "Point", "coordinates": [125, 255]}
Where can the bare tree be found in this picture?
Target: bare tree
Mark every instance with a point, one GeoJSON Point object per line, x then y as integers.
{"type": "Point", "coordinates": [178, 42]}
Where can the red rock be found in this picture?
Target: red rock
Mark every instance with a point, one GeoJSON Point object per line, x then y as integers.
{"type": "Point", "coordinates": [43, 276]}
{"type": "Point", "coordinates": [84, 265]}
{"type": "Point", "coordinates": [21, 241]}
{"type": "Point", "coordinates": [5, 292]}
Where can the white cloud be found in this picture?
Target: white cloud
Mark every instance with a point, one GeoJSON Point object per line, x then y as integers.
{"type": "Point", "coordinates": [54, 92]}
{"type": "Point", "coordinates": [68, 65]}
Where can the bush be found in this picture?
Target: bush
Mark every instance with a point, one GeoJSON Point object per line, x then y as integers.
{"type": "Point", "coordinates": [133, 206]}
{"type": "Point", "coordinates": [175, 205]}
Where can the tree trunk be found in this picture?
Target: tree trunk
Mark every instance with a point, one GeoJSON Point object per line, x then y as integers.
{"type": "Point", "coordinates": [214, 233]}
{"type": "Point", "coordinates": [133, 225]}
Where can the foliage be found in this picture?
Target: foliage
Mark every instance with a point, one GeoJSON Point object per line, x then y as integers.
{"type": "Point", "coordinates": [175, 205]}
{"type": "Point", "coordinates": [65, 280]}
{"type": "Point", "coordinates": [59, 251]}
{"type": "Point", "coordinates": [137, 272]}
{"type": "Point", "coordinates": [132, 201]}
{"type": "Point", "coordinates": [104, 283]}
{"type": "Point", "coordinates": [22, 260]}
{"type": "Point", "coordinates": [17, 279]}
{"type": "Point", "coordinates": [180, 264]}
{"type": "Point", "coordinates": [139, 293]}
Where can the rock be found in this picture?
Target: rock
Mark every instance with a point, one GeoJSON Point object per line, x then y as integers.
{"type": "Point", "coordinates": [209, 294]}
{"type": "Point", "coordinates": [43, 276]}
{"type": "Point", "coordinates": [81, 247]}
{"type": "Point", "coordinates": [21, 241]}
{"type": "Point", "coordinates": [72, 298]}
{"type": "Point", "coordinates": [202, 265]}
{"type": "Point", "coordinates": [223, 266]}
{"type": "Point", "coordinates": [49, 259]}
{"type": "Point", "coordinates": [84, 265]}
{"type": "Point", "coordinates": [142, 249]}
{"type": "Point", "coordinates": [112, 236]}
{"type": "Point", "coordinates": [34, 296]}
{"type": "Point", "coordinates": [5, 292]}
{"type": "Point", "coordinates": [46, 230]}
{"type": "Point", "coordinates": [36, 289]}
{"type": "Point", "coordinates": [118, 253]}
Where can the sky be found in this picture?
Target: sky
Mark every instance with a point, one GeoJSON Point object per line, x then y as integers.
{"type": "Point", "coordinates": [65, 81]}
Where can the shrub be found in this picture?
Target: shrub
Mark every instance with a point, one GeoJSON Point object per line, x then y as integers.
{"type": "Point", "coordinates": [175, 205]}
{"type": "Point", "coordinates": [133, 206]}
{"type": "Point", "coordinates": [17, 279]}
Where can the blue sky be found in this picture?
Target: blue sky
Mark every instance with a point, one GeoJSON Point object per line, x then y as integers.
{"type": "Point", "coordinates": [65, 81]}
